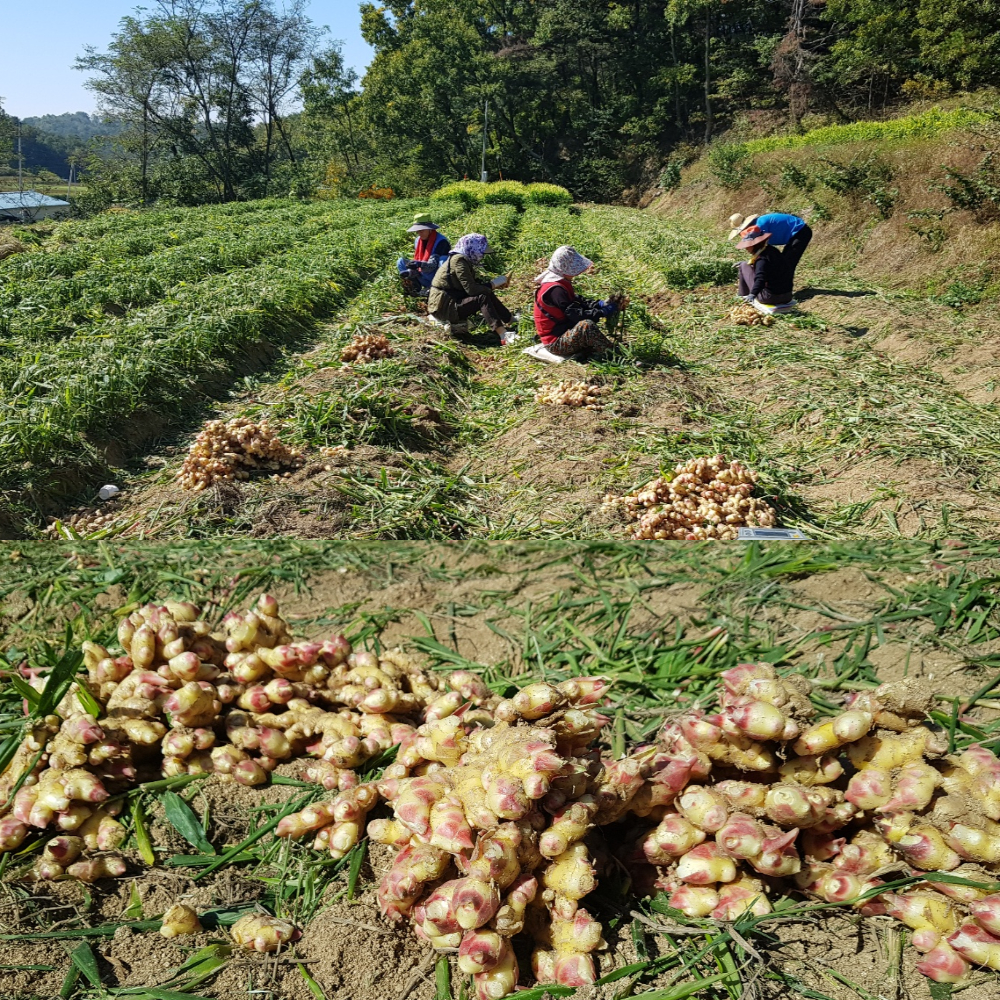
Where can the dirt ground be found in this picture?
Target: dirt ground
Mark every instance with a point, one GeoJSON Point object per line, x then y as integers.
{"type": "Point", "coordinates": [472, 601]}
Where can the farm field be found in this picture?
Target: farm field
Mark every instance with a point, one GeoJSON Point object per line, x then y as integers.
{"type": "Point", "coordinates": [656, 620]}
{"type": "Point", "coordinates": [868, 413]}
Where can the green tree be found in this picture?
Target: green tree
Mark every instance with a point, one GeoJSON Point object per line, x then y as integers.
{"type": "Point", "coordinates": [192, 79]}
{"type": "Point", "coordinates": [959, 41]}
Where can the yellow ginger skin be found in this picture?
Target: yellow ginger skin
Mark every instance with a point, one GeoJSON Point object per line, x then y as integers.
{"type": "Point", "coordinates": [178, 920]}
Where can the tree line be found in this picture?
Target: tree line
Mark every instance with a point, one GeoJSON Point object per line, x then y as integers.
{"type": "Point", "coordinates": [225, 99]}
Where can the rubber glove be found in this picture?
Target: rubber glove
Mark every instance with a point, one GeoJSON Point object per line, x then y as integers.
{"type": "Point", "coordinates": [607, 308]}
{"type": "Point", "coordinates": [748, 299]}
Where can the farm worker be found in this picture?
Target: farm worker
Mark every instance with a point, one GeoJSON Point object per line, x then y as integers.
{"type": "Point", "coordinates": [430, 247]}
{"type": "Point", "coordinates": [767, 276]}
{"type": "Point", "coordinates": [787, 231]}
{"type": "Point", "coordinates": [456, 293]}
{"type": "Point", "coordinates": [566, 323]}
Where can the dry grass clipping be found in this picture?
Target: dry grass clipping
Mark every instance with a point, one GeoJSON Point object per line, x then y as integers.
{"type": "Point", "coordinates": [10, 245]}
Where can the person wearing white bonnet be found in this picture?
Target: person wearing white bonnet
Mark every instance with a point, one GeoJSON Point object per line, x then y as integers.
{"type": "Point", "coordinates": [566, 323]}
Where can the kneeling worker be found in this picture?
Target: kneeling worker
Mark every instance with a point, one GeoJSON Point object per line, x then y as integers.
{"type": "Point", "coordinates": [767, 277]}
{"type": "Point", "coordinates": [430, 247]}
{"type": "Point", "coordinates": [566, 323]}
{"type": "Point", "coordinates": [456, 293]}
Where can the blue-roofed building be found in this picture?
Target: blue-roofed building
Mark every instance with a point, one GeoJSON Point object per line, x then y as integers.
{"type": "Point", "coordinates": [27, 206]}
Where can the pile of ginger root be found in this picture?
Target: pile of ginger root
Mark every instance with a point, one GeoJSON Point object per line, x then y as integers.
{"type": "Point", "coordinates": [504, 813]}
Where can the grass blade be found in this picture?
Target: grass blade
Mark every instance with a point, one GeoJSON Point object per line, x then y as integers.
{"type": "Point", "coordinates": [224, 859]}
{"type": "Point", "coordinates": [181, 816]}
{"type": "Point", "coordinates": [142, 841]}
{"type": "Point", "coordinates": [314, 988]}
{"type": "Point", "coordinates": [357, 860]}
{"type": "Point", "coordinates": [82, 956]}
{"type": "Point", "coordinates": [442, 979]}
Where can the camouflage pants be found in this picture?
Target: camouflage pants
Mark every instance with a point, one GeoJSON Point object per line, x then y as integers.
{"type": "Point", "coordinates": [584, 338]}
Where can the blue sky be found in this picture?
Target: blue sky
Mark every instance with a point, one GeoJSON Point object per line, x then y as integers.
{"type": "Point", "coordinates": [36, 64]}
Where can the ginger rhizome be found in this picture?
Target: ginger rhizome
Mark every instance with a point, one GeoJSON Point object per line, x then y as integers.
{"type": "Point", "coordinates": [706, 498]}
{"type": "Point", "coordinates": [577, 394]}
{"type": "Point", "coordinates": [744, 314]}
{"type": "Point", "coordinates": [234, 449]}
{"type": "Point", "coordinates": [493, 807]}
{"type": "Point", "coordinates": [366, 347]}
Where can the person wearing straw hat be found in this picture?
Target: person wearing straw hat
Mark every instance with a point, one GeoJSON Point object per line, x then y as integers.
{"type": "Point", "coordinates": [430, 247]}
{"type": "Point", "coordinates": [456, 293]}
{"type": "Point", "coordinates": [566, 323]}
{"type": "Point", "coordinates": [787, 231]}
{"type": "Point", "coordinates": [768, 275]}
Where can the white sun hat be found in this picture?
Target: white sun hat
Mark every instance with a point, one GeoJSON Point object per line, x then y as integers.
{"type": "Point", "coordinates": [565, 262]}
{"type": "Point", "coordinates": [738, 227]}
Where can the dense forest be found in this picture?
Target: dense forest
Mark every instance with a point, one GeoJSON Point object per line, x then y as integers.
{"type": "Point", "coordinates": [229, 99]}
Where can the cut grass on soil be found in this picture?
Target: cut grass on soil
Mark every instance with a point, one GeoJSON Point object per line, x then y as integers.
{"type": "Point", "coordinates": [662, 621]}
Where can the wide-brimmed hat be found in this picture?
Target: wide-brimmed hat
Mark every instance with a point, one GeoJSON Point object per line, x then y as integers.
{"type": "Point", "coordinates": [421, 221]}
{"type": "Point", "coordinates": [753, 237]}
{"type": "Point", "coordinates": [738, 227]}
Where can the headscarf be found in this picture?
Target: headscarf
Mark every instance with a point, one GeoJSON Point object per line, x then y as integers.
{"type": "Point", "coordinates": [475, 246]}
{"type": "Point", "coordinates": [564, 263]}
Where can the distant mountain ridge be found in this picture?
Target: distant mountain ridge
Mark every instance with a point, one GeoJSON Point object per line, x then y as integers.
{"type": "Point", "coordinates": [47, 141]}
{"type": "Point", "coordinates": [76, 125]}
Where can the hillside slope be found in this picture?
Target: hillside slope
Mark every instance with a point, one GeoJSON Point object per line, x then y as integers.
{"type": "Point", "coordinates": [910, 203]}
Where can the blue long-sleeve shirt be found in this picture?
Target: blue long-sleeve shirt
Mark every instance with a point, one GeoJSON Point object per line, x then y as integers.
{"type": "Point", "coordinates": [782, 227]}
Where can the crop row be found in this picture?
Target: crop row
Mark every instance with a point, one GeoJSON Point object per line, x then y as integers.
{"type": "Point", "coordinates": [53, 403]}
{"type": "Point", "coordinates": [57, 260]}
{"type": "Point", "coordinates": [55, 307]}
{"type": "Point", "coordinates": [117, 222]}
{"type": "Point", "coordinates": [68, 250]}
{"type": "Point", "coordinates": [651, 256]}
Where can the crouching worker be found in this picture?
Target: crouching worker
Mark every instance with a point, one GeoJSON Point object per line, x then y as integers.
{"type": "Point", "coordinates": [787, 231]}
{"type": "Point", "coordinates": [430, 247]}
{"type": "Point", "coordinates": [566, 323]}
{"type": "Point", "coordinates": [768, 275]}
{"type": "Point", "coordinates": [456, 293]}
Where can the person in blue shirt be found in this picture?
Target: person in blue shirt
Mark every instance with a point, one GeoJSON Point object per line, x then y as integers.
{"type": "Point", "coordinates": [430, 248]}
{"type": "Point", "coordinates": [787, 231]}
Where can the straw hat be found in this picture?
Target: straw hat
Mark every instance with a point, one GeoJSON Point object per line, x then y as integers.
{"type": "Point", "coordinates": [738, 227]}
{"type": "Point", "coordinates": [754, 237]}
{"type": "Point", "coordinates": [421, 221]}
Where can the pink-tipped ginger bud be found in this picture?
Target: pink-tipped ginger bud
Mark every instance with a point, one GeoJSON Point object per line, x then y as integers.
{"type": "Point", "coordinates": [703, 807]}
{"type": "Point", "coordinates": [672, 838]}
{"type": "Point", "coordinates": [976, 945]}
{"type": "Point", "coordinates": [745, 895]}
{"type": "Point", "coordinates": [694, 900]}
{"type": "Point", "coordinates": [706, 864]}
{"type": "Point", "coordinates": [480, 951]}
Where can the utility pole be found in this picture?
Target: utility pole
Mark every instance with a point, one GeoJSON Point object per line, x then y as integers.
{"type": "Point", "coordinates": [20, 160]}
{"type": "Point", "coordinates": [69, 182]}
{"type": "Point", "coordinates": [486, 121]}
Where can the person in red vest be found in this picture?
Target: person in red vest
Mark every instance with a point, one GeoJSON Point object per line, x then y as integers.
{"type": "Point", "coordinates": [430, 248]}
{"type": "Point", "coordinates": [566, 323]}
